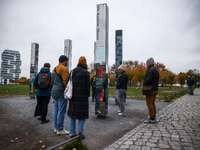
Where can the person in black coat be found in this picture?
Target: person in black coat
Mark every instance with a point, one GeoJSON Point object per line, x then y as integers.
{"type": "Point", "coordinates": [79, 104]}
{"type": "Point", "coordinates": [151, 78]}
{"type": "Point", "coordinates": [122, 88]}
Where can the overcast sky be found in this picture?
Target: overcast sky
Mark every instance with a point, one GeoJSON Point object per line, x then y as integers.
{"type": "Point", "coordinates": [167, 30]}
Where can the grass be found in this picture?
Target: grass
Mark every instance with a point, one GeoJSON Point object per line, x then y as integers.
{"type": "Point", "coordinates": [14, 89]}
{"type": "Point", "coordinates": [136, 93]}
{"type": "Point", "coordinates": [75, 145]}
{"type": "Point", "coordinates": [132, 92]}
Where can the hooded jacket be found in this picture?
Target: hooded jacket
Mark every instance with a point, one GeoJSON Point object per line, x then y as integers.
{"type": "Point", "coordinates": [43, 92]}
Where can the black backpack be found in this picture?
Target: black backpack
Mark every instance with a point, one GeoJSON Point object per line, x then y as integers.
{"type": "Point", "coordinates": [190, 82]}
{"type": "Point", "coordinates": [44, 80]}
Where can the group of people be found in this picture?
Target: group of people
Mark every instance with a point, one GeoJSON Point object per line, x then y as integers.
{"type": "Point", "coordinates": [53, 84]}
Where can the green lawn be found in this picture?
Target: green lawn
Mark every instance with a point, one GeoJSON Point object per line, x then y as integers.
{"type": "Point", "coordinates": [14, 89]}
{"type": "Point", "coordinates": [132, 92]}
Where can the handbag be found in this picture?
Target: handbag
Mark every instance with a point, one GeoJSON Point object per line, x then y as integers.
{"type": "Point", "coordinates": [69, 89]}
{"type": "Point", "coordinates": [147, 90]}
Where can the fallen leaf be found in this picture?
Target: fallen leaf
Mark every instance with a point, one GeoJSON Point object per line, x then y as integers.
{"type": "Point", "coordinates": [41, 141]}
{"type": "Point", "coordinates": [43, 146]}
{"type": "Point", "coordinates": [132, 123]}
{"type": "Point", "coordinates": [16, 138]}
{"type": "Point", "coordinates": [74, 149]}
{"type": "Point", "coordinates": [121, 123]}
{"type": "Point", "coordinates": [26, 133]}
{"type": "Point", "coordinates": [11, 141]}
{"type": "Point", "coordinates": [60, 147]}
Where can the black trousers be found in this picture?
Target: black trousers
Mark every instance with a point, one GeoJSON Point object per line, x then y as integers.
{"type": "Point", "coordinates": [42, 106]}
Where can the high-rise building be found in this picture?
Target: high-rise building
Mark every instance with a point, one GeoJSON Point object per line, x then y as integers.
{"type": "Point", "coordinates": [10, 66]}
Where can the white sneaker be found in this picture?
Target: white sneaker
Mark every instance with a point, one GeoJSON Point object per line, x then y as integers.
{"type": "Point", "coordinates": [63, 132]}
{"type": "Point", "coordinates": [122, 114]}
{"type": "Point", "coordinates": [55, 131]}
{"type": "Point", "coordinates": [119, 111]}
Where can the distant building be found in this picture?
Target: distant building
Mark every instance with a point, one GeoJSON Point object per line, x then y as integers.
{"type": "Point", "coordinates": [10, 66]}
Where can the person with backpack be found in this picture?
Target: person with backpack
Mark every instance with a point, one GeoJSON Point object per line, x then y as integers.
{"type": "Point", "coordinates": [42, 83]}
{"type": "Point", "coordinates": [92, 82]}
{"type": "Point", "coordinates": [59, 80]}
{"type": "Point", "coordinates": [98, 89]}
{"type": "Point", "coordinates": [190, 83]}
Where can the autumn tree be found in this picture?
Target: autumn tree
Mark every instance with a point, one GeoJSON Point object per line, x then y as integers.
{"type": "Point", "coordinates": [181, 78]}
{"type": "Point", "coordinates": [140, 72]}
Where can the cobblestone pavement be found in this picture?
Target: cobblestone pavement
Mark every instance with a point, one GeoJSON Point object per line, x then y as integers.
{"type": "Point", "coordinates": [177, 128]}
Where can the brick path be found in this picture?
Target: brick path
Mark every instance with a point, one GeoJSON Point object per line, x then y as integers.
{"type": "Point", "coordinates": [177, 128]}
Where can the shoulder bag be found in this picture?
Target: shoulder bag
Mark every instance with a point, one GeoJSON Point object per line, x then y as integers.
{"type": "Point", "coordinates": [69, 88]}
{"type": "Point", "coordinates": [147, 90]}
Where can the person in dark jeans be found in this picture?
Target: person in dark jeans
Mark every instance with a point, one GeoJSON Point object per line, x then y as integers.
{"type": "Point", "coordinates": [43, 95]}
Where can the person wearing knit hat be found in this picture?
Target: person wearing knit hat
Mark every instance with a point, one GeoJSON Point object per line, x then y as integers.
{"type": "Point", "coordinates": [121, 85]}
{"type": "Point", "coordinates": [79, 104]}
{"type": "Point", "coordinates": [150, 61]}
{"type": "Point", "coordinates": [151, 78]}
{"type": "Point", "coordinates": [190, 83]}
{"type": "Point", "coordinates": [60, 75]}
{"type": "Point", "coordinates": [63, 58]}
{"type": "Point", "coordinates": [82, 60]}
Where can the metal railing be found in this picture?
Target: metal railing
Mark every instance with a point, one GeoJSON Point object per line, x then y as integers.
{"type": "Point", "coordinates": [171, 96]}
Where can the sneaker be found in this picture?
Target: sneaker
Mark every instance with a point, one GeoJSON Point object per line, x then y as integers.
{"type": "Point", "coordinates": [55, 131]}
{"type": "Point", "coordinates": [122, 114]}
{"type": "Point", "coordinates": [39, 118]}
{"type": "Point", "coordinates": [98, 112]}
{"type": "Point", "coordinates": [44, 121]}
{"type": "Point", "coordinates": [63, 132]}
{"type": "Point", "coordinates": [119, 111]}
{"type": "Point", "coordinates": [149, 120]}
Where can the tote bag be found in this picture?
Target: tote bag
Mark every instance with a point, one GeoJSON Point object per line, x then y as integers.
{"type": "Point", "coordinates": [69, 89]}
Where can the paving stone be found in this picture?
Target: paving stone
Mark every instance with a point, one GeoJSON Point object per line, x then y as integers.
{"type": "Point", "coordinates": [178, 128]}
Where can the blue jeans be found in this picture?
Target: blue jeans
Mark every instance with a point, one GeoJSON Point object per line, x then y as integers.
{"type": "Point", "coordinates": [72, 126]}
{"type": "Point", "coordinates": [60, 106]}
{"type": "Point", "coordinates": [97, 100]}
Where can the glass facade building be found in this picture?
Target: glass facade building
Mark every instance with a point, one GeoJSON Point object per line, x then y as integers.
{"type": "Point", "coordinates": [10, 66]}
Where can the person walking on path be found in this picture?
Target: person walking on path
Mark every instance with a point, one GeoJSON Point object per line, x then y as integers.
{"type": "Point", "coordinates": [42, 83]}
{"type": "Point", "coordinates": [122, 88]}
{"type": "Point", "coordinates": [190, 83]}
{"type": "Point", "coordinates": [79, 104]}
{"type": "Point", "coordinates": [60, 75]}
{"type": "Point", "coordinates": [151, 78]}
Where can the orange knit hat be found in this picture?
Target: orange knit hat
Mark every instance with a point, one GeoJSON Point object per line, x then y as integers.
{"type": "Point", "coordinates": [82, 60]}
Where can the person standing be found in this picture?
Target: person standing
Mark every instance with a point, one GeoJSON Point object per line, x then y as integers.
{"type": "Point", "coordinates": [122, 88]}
{"type": "Point", "coordinates": [98, 90]}
{"type": "Point", "coordinates": [60, 75]}
{"type": "Point", "coordinates": [190, 83]}
{"type": "Point", "coordinates": [151, 78]}
{"type": "Point", "coordinates": [79, 104]}
{"type": "Point", "coordinates": [92, 82]}
{"type": "Point", "coordinates": [42, 83]}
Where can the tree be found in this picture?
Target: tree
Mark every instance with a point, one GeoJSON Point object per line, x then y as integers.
{"type": "Point", "coordinates": [181, 78]}
{"type": "Point", "coordinates": [140, 72]}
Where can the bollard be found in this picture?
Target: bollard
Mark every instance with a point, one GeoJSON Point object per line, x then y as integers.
{"type": "Point", "coordinates": [80, 137]}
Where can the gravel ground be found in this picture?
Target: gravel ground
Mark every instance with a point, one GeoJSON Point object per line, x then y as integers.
{"type": "Point", "coordinates": [20, 130]}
